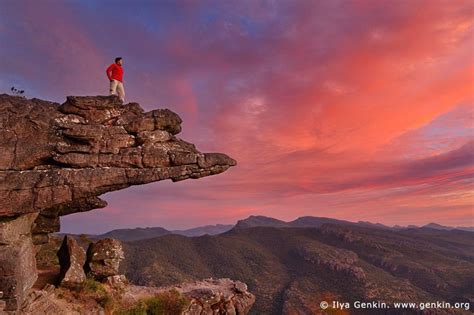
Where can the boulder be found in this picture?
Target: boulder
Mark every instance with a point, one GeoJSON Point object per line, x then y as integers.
{"type": "Point", "coordinates": [72, 258]}
{"type": "Point", "coordinates": [103, 259]}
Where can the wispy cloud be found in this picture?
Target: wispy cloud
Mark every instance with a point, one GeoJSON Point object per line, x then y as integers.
{"type": "Point", "coordinates": [360, 110]}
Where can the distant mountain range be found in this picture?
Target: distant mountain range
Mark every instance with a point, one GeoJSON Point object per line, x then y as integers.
{"type": "Point", "coordinates": [447, 228]}
{"type": "Point", "coordinates": [306, 221]}
{"type": "Point", "coordinates": [292, 266]}
{"type": "Point", "coordinates": [144, 233]}
{"type": "Point", "coordinates": [151, 232]}
{"type": "Point", "coordinates": [309, 221]}
{"type": "Point", "coordinates": [136, 234]}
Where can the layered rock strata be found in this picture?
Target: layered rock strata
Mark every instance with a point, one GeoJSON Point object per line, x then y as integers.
{"type": "Point", "coordinates": [57, 159]}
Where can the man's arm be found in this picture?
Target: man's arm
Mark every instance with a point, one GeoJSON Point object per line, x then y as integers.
{"type": "Point", "coordinates": [109, 71]}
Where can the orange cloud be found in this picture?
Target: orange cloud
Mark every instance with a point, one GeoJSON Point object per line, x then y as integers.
{"type": "Point", "coordinates": [360, 110]}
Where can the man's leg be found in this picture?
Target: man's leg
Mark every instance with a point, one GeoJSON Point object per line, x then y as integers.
{"type": "Point", "coordinates": [113, 87]}
{"type": "Point", "coordinates": [121, 91]}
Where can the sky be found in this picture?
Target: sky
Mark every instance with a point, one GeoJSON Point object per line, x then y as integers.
{"type": "Point", "coordinates": [355, 110]}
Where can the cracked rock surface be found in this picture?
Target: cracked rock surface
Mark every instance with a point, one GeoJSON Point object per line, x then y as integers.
{"type": "Point", "coordinates": [57, 159]}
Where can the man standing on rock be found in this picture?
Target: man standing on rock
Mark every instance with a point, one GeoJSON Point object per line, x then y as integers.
{"type": "Point", "coordinates": [115, 75]}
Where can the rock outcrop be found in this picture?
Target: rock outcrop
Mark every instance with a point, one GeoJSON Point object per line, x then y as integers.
{"type": "Point", "coordinates": [221, 296]}
{"type": "Point", "coordinates": [206, 297]}
{"type": "Point", "coordinates": [334, 259]}
{"type": "Point", "coordinates": [57, 159]}
{"type": "Point", "coordinates": [17, 260]}
{"type": "Point", "coordinates": [103, 259]}
{"type": "Point", "coordinates": [72, 259]}
{"type": "Point", "coordinates": [104, 283]}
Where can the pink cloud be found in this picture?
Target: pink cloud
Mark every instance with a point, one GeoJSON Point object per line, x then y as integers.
{"type": "Point", "coordinates": [357, 110]}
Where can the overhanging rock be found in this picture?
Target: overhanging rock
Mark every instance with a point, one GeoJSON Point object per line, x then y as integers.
{"type": "Point", "coordinates": [57, 159]}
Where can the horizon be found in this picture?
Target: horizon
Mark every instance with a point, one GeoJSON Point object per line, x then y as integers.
{"type": "Point", "coordinates": [359, 111]}
{"type": "Point", "coordinates": [171, 229]}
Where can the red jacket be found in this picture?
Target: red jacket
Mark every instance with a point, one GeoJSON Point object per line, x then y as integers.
{"type": "Point", "coordinates": [115, 72]}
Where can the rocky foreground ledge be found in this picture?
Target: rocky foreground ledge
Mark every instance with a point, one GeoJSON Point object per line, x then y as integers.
{"type": "Point", "coordinates": [57, 159]}
{"type": "Point", "coordinates": [90, 283]}
{"type": "Point", "coordinates": [206, 297]}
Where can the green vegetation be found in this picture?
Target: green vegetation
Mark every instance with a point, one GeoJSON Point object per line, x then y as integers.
{"type": "Point", "coordinates": [93, 293]}
{"type": "Point", "coordinates": [17, 92]}
{"type": "Point", "coordinates": [167, 303]}
{"type": "Point", "coordinates": [98, 292]}
{"type": "Point", "coordinates": [298, 266]}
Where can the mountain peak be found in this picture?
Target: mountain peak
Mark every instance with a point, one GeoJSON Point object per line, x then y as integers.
{"type": "Point", "coordinates": [437, 226]}
{"type": "Point", "coordinates": [259, 220]}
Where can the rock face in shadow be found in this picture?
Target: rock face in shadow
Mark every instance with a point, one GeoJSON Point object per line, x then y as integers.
{"type": "Point", "coordinates": [17, 260]}
{"type": "Point", "coordinates": [57, 159]}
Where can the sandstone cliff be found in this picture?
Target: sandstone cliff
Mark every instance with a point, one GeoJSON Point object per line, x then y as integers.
{"type": "Point", "coordinates": [57, 159]}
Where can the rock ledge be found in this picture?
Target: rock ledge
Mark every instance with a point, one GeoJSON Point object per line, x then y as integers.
{"type": "Point", "coordinates": [57, 159]}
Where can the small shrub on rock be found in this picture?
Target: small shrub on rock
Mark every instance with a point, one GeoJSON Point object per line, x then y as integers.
{"type": "Point", "coordinates": [171, 302]}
